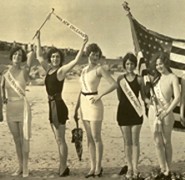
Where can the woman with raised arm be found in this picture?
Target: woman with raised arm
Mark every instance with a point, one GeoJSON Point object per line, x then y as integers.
{"type": "Point", "coordinates": [91, 106]}
{"type": "Point", "coordinates": [129, 114]}
{"type": "Point", "coordinates": [18, 111]}
{"type": "Point", "coordinates": [58, 111]}
{"type": "Point", "coordinates": [165, 93]}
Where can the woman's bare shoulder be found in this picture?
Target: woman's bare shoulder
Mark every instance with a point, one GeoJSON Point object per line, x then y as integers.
{"type": "Point", "coordinates": [120, 77]}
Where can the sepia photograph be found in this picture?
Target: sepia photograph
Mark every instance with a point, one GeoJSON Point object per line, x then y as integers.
{"type": "Point", "coordinates": [92, 89]}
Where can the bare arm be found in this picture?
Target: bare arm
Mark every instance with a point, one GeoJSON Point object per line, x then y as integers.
{"type": "Point", "coordinates": [119, 88]}
{"type": "Point", "coordinates": [113, 84]}
{"type": "Point", "coordinates": [61, 73]}
{"type": "Point", "coordinates": [39, 53]}
{"type": "Point", "coordinates": [142, 91]}
{"type": "Point", "coordinates": [30, 58]}
{"type": "Point", "coordinates": [76, 108]}
{"type": "Point", "coordinates": [1, 105]}
{"type": "Point", "coordinates": [176, 93]}
{"type": "Point", "coordinates": [176, 99]}
{"type": "Point", "coordinates": [182, 102]}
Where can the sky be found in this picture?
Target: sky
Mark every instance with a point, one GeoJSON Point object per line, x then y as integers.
{"type": "Point", "coordinates": [105, 22]}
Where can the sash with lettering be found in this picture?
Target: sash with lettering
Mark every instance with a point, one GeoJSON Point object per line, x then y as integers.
{"type": "Point", "coordinates": [161, 100]}
{"type": "Point", "coordinates": [27, 111]}
{"type": "Point", "coordinates": [131, 97]}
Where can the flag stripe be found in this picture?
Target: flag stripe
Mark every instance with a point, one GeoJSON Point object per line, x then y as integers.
{"type": "Point", "coordinates": [177, 57]}
{"type": "Point", "coordinates": [179, 44]}
{"type": "Point", "coordinates": [177, 65]}
{"type": "Point", "coordinates": [178, 50]}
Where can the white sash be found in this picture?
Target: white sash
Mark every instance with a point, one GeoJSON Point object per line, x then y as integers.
{"type": "Point", "coordinates": [159, 95]}
{"type": "Point", "coordinates": [131, 96]}
{"type": "Point", "coordinates": [27, 111]}
{"type": "Point", "coordinates": [84, 81]}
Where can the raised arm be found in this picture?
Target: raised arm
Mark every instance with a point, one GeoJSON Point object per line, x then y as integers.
{"type": "Point", "coordinates": [67, 67]}
{"type": "Point", "coordinates": [30, 57]}
{"type": "Point", "coordinates": [39, 53]}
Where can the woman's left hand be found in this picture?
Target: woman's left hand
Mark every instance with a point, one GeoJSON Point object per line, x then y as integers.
{"type": "Point", "coordinates": [94, 99]}
{"type": "Point", "coordinates": [162, 114]}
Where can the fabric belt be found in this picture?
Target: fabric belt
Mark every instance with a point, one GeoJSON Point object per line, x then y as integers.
{"type": "Point", "coordinates": [89, 93]}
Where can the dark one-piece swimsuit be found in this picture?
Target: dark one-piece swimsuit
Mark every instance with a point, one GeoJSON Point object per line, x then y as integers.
{"type": "Point", "coordinates": [58, 111]}
{"type": "Point", "coordinates": [126, 114]}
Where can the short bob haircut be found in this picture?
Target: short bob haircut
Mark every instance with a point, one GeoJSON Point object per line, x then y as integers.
{"type": "Point", "coordinates": [131, 57]}
{"type": "Point", "coordinates": [55, 50]}
{"type": "Point", "coordinates": [14, 49]}
{"type": "Point", "coordinates": [93, 48]}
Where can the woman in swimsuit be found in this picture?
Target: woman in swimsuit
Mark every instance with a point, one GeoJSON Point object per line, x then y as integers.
{"type": "Point", "coordinates": [129, 120]}
{"type": "Point", "coordinates": [14, 81]}
{"type": "Point", "coordinates": [166, 97]}
{"type": "Point", "coordinates": [58, 112]}
{"type": "Point", "coordinates": [91, 106]}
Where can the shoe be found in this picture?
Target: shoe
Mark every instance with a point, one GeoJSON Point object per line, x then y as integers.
{"type": "Point", "coordinates": [160, 176]}
{"type": "Point", "coordinates": [65, 173]}
{"type": "Point", "coordinates": [89, 175]}
{"type": "Point", "coordinates": [24, 175]}
{"type": "Point", "coordinates": [17, 172]}
{"type": "Point", "coordinates": [124, 170]}
{"type": "Point", "coordinates": [100, 173]}
{"type": "Point", "coordinates": [129, 174]}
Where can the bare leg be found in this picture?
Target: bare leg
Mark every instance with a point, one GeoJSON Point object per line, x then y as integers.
{"type": "Point", "coordinates": [91, 146]}
{"type": "Point", "coordinates": [62, 146]}
{"type": "Point", "coordinates": [96, 134]}
{"type": "Point", "coordinates": [160, 150]}
{"type": "Point", "coordinates": [135, 147]}
{"type": "Point", "coordinates": [127, 136]}
{"type": "Point", "coordinates": [25, 151]}
{"type": "Point", "coordinates": [14, 129]}
{"type": "Point", "coordinates": [167, 131]}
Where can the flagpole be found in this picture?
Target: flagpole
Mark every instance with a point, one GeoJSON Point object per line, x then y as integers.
{"type": "Point", "coordinates": [47, 18]}
{"type": "Point", "coordinates": [138, 52]}
{"type": "Point", "coordinates": [135, 39]}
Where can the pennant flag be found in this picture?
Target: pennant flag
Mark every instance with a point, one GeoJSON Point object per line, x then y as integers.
{"type": "Point", "coordinates": [148, 42]}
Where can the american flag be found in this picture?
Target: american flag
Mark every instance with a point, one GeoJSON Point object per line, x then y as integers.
{"type": "Point", "coordinates": [148, 42]}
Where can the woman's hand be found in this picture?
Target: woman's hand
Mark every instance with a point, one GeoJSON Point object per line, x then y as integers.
{"type": "Point", "coordinates": [182, 120]}
{"type": "Point", "coordinates": [94, 99]}
{"type": "Point", "coordinates": [38, 35]}
{"type": "Point", "coordinates": [148, 101]}
{"type": "Point", "coordinates": [86, 39]}
{"type": "Point", "coordinates": [162, 114]}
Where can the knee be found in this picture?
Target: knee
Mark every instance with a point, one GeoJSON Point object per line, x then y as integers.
{"type": "Point", "coordinates": [128, 142]}
{"type": "Point", "coordinates": [167, 142]}
{"type": "Point", "coordinates": [135, 143]}
{"type": "Point", "coordinates": [158, 143]}
{"type": "Point", "coordinates": [60, 141]}
{"type": "Point", "coordinates": [97, 139]}
{"type": "Point", "coordinates": [17, 139]}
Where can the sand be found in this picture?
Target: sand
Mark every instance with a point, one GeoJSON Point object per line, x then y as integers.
{"type": "Point", "coordinates": [43, 162]}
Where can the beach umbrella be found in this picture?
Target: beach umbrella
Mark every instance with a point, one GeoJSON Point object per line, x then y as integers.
{"type": "Point", "coordinates": [77, 137]}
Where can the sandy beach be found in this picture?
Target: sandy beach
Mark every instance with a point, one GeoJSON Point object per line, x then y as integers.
{"type": "Point", "coordinates": [44, 162]}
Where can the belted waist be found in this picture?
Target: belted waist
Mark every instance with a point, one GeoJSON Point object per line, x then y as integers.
{"type": "Point", "coordinates": [56, 96]}
{"type": "Point", "coordinates": [89, 93]}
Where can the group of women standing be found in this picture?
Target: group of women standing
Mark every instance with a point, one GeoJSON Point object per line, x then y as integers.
{"type": "Point", "coordinates": [162, 101]}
